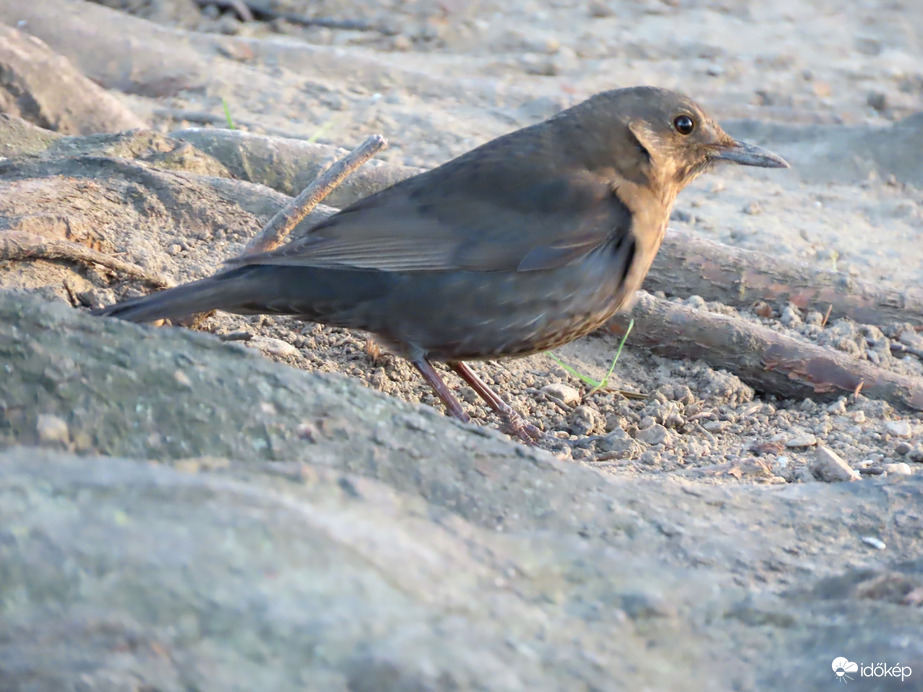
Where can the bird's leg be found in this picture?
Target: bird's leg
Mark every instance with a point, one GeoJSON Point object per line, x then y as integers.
{"type": "Point", "coordinates": [524, 430]}
{"type": "Point", "coordinates": [442, 391]}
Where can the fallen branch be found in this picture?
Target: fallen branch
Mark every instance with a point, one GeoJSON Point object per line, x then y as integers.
{"type": "Point", "coordinates": [20, 245]}
{"type": "Point", "coordinates": [691, 265]}
{"type": "Point", "coordinates": [280, 225]}
{"type": "Point", "coordinates": [765, 359]}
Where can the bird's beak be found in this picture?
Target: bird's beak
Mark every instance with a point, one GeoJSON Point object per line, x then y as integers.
{"type": "Point", "coordinates": [748, 155]}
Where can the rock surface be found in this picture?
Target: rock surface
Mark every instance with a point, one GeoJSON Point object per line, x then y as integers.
{"type": "Point", "coordinates": [263, 534]}
{"type": "Point", "coordinates": [178, 513]}
{"type": "Point", "coordinates": [45, 89]}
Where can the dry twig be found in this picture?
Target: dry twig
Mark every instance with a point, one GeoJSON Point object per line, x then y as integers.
{"type": "Point", "coordinates": [20, 245]}
{"type": "Point", "coordinates": [280, 225]}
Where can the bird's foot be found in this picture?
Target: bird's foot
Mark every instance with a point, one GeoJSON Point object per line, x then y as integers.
{"type": "Point", "coordinates": [517, 426]}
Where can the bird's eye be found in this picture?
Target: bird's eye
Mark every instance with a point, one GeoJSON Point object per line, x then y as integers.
{"type": "Point", "coordinates": [684, 124]}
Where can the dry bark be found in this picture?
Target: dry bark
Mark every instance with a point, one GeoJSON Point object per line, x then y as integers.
{"type": "Point", "coordinates": [765, 359]}
{"type": "Point", "coordinates": [691, 265]}
{"type": "Point", "coordinates": [277, 230]}
{"type": "Point", "coordinates": [19, 245]}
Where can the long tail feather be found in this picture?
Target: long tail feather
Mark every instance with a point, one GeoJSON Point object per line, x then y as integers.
{"type": "Point", "coordinates": [225, 291]}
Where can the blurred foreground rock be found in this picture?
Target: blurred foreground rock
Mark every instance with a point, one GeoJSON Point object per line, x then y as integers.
{"type": "Point", "coordinates": [267, 528]}
{"type": "Point", "coordinates": [44, 88]}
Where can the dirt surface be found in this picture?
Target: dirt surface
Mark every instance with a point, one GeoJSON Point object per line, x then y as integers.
{"type": "Point", "coordinates": [439, 78]}
{"type": "Point", "coordinates": [180, 511]}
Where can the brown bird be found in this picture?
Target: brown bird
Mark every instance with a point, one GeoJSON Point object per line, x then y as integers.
{"type": "Point", "coordinates": [521, 245]}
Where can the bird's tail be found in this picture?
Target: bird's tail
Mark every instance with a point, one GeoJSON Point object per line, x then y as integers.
{"type": "Point", "coordinates": [231, 291]}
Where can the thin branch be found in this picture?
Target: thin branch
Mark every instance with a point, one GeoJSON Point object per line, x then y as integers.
{"type": "Point", "coordinates": [280, 225]}
{"type": "Point", "coordinates": [20, 245]}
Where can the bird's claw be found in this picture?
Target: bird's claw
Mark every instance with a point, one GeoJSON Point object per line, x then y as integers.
{"type": "Point", "coordinates": [515, 425]}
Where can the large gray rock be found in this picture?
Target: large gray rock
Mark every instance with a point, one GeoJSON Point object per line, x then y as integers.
{"type": "Point", "coordinates": [44, 88]}
{"type": "Point", "coordinates": [300, 532]}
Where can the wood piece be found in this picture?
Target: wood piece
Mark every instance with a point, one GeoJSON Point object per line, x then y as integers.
{"type": "Point", "coordinates": [20, 245]}
{"type": "Point", "coordinates": [280, 225]}
{"type": "Point", "coordinates": [771, 362]}
{"type": "Point", "coordinates": [691, 265]}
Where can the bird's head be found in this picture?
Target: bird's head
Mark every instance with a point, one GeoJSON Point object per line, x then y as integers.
{"type": "Point", "coordinates": [657, 137]}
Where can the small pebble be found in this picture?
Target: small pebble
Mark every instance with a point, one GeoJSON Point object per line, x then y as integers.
{"type": "Point", "coordinates": [838, 407]}
{"type": "Point", "coordinates": [696, 302]}
{"type": "Point", "coordinates": [599, 9]}
{"type": "Point", "coordinates": [876, 543]}
{"type": "Point", "coordinates": [763, 309]}
{"type": "Point", "coordinates": [803, 440]}
{"type": "Point", "coordinates": [51, 429]}
{"type": "Point", "coordinates": [619, 441]}
{"type": "Point", "coordinates": [781, 466]}
{"type": "Point", "coordinates": [82, 441]}
{"type": "Point", "coordinates": [830, 467]}
{"type": "Point", "coordinates": [563, 392]}
{"type": "Point", "coordinates": [401, 43]}
{"type": "Point", "coordinates": [654, 435]}
{"type": "Point", "coordinates": [877, 100]}
{"type": "Point", "coordinates": [898, 468]}
{"type": "Point", "coordinates": [272, 347]}
{"type": "Point", "coordinates": [584, 420]}
{"type": "Point", "coordinates": [898, 428]}
{"type": "Point", "coordinates": [229, 24]}
{"type": "Point", "coordinates": [790, 316]}
{"type": "Point", "coordinates": [814, 317]}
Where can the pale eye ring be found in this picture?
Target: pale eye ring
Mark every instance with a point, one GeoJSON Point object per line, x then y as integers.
{"type": "Point", "coordinates": [684, 124]}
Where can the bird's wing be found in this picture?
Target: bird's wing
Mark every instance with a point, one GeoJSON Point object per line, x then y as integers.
{"type": "Point", "coordinates": [475, 218]}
